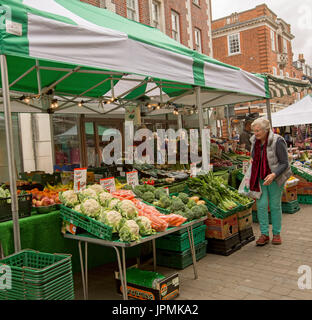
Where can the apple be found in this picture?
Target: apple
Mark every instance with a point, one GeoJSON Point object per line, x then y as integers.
{"type": "Point", "coordinates": [52, 202]}
{"type": "Point", "coordinates": [46, 201]}
{"type": "Point", "coordinates": [39, 204]}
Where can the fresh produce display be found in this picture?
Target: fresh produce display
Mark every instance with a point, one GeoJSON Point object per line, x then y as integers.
{"type": "Point", "coordinates": [213, 189]}
{"type": "Point", "coordinates": [218, 163]}
{"type": "Point", "coordinates": [302, 168]}
{"type": "Point", "coordinates": [5, 193]}
{"type": "Point", "coordinates": [59, 187]}
{"type": "Point", "coordinates": [44, 198]}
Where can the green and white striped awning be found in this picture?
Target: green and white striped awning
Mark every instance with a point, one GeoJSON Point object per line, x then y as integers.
{"type": "Point", "coordinates": [280, 87]}
{"type": "Point", "coordinates": [81, 51]}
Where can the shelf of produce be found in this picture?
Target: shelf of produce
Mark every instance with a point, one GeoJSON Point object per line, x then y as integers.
{"type": "Point", "coordinates": [86, 238]}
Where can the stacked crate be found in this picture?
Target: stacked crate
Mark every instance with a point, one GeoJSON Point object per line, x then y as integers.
{"type": "Point", "coordinates": [174, 251]}
{"type": "Point", "coordinates": [32, 275]}
{"type": "Point", "coordinates": [245, 230]}
{"type": "Point", "coordinates": [290, 203]}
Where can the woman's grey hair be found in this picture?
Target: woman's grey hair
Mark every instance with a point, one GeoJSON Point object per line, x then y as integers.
{"type": "Point", "coordinates": [263, 123]}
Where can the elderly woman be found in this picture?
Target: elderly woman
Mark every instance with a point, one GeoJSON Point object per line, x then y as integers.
{"type": "Point", "coordinates": [270, 171]}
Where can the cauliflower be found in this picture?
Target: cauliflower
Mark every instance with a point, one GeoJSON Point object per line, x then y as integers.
{"type": "Point", "coordinates": [145, 226]}
{"type": "Point", "coordinates": [91, 208]}
{"type": "Point", "coordinates": [97, 188]}
{"type": "Point", "coordinates": [78, 208]}
{"type": "Point", "coordinates": [104, 198]}
{"type": "Point", "coordinates": [69, 198]}
{"type": "Point", "coordinates": [113, 203]}
{"type": "Point", "coordinates": [198, 211]}
{"type": "Point", "coordinates": [128, 209]}
{"type": "Point", "coordinates": [87, 194]}
{"type": "Point", "coordinates": [130, 231]}
{"type": "Point", "coordinates": [111, 218]}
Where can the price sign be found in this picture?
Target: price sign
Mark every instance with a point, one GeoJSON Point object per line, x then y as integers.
{"type": "Point", "coordinates": [193, 170]}
{"type": "Point", "coordinates": [80, 179]}
{"type": "Point", "coordinates": [108, 184]}
{"type": "Point", "coordinates": [167, 190]}
{"type": "Point", "coordinates": [132, 178]}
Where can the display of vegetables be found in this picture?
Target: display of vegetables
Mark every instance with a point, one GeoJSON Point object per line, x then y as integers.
{"type": "Point", "coordinates": [130, 231]}
{"type": "Point", "coordinates": [5, 193]}
{"type": "Point", "coordinates": [213, 189]}
{"type": "Point", "coordinates": [69, 198]}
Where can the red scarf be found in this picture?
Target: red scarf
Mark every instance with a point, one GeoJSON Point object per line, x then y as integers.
{"type": "Point", "coordinates": [260, 169]}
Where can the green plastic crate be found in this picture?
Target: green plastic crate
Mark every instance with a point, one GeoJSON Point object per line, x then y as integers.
{"type": "Point", "coordinates": [290, 207]}
{"type": "Point", "coordinates": [218, 212]}
{"type": "Point", "coordinates": [181, 242]}
{"type": "Point", "coordinates": [304, 199]}
{"type": "Point", "coordinates": [92, 226]}
{"type": "Point", "coordinates": [180, 260]}
{"type": "Point", "coordinates": [301, 174]}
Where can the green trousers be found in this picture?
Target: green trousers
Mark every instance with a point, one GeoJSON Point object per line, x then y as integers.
{"type": "Point", "coordinates": [271, 195]}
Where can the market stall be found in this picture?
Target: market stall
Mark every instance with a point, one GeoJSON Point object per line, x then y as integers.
{"type": "Point", "coordinates": [110, 68]}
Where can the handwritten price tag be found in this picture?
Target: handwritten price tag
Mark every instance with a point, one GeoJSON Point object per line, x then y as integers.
{"type": "Point", "coordinates": [108, 184]}
{"type": "Point", "coordinates": [132, 178]}
{"type": "Point", "coordinates": [80, 179]}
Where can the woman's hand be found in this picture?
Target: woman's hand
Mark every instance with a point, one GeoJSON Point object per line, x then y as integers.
{"type": "Point", "coordinates": [269, 179]}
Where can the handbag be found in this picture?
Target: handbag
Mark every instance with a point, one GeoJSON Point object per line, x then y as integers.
{"type": "Point", "coordinates": [244, 188]}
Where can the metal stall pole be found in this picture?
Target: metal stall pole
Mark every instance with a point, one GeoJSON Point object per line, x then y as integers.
{"type": "Point", "coordinates": [268, 107]}
{"type": "Point", "coordinates": [201, 127]}
{"type": "Point", "coordinates": [124, 265]}
{"type": "Point", "coordinates": [82, 271]}
{"type": "Point", "coordinates": [228, 121]}
{"type": "Point", "coordinates": [86, 270]}
{"type": "Point", "coordinates": [10, 151]}
{"type": "Point", "coordinates": [180, 121]}
{"type": "Point", "coordinates": [192, 246]}
{"type": "Point", "coordinates": [154, 255]}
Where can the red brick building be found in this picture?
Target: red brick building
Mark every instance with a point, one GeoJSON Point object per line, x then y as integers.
{"type": "Point", "coordinates": [187, 21]}
{"type": "Point", "coordinates": [256, 40]}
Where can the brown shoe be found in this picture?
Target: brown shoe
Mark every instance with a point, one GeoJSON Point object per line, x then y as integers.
{"type": "Point", "coordinates": [277, 240]}
{"type": "Point", "coordinates": [263, 240]}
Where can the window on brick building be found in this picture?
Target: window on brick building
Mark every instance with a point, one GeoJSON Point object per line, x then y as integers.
{"type": "Point", "coordinates": [273, 46]}
{"type": "Point", "coordinates": [156, 14]}
{"type": "Point", "coordinates": [285, 46]}
{"type": "Point", "coordinates": [287, 74]}
{"type": "Point", "coordinates": [274, 71]}
{"type": "Point", "coordinates": [102, 4]}
{"type": "Point", "coordinates": [228, 20]}
{"type": "Point", "coordinates": [132, 10]}
{"type": "Point", "coordinates": [234, 43]}
{"type": "Point", "coordinates": [196, 2]}
{"type": "Point", "coordinates": [175, 26]}
{"type": "Point", "coordinates": [198, 40]}
{"type": "Point", "coordinates": [281, 73]}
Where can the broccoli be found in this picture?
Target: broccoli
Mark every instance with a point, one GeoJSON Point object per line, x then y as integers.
{"type": "Point", "coordinates": [204, 210]}
{"type": "Point", "coordinates": [177, 205]}
{"type": "Point", "coordinates": [181, 213]}
{"type": "Point", "coordinates": [127, 187]}
{"type": "Point", "coordinates": [184, 197]}
{"type": "Point", "coordinates": [148, 197]}
{"type": "Point", "coordinates": [160, 193]}
{"type": "Point", "coordinates": [148, 188]}
{"type": "Point", "coordinates": [197, 211]}
{"type": "Point", "coordinates": [164, 202]}
{"type": "Point", "coordinates": [139, 190]}
{"type": "Point", "coordinates": [191, 204]}
{"type": "Point", "coordinates": [188, 214]}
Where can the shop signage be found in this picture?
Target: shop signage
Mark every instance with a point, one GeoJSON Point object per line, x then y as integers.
{"type": "Point", "coordinates": [132, 178]}
{"type": "Point", "coordinates": [80, 179]}
{"type": "Point", "coordinates": [108, 184]}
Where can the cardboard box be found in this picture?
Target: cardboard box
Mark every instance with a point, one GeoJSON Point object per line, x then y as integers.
{"type": "Point", "coordinates": [221, 228]}
{"type": "Point", "coordinates": [289, 194]}
{"type": "Point", "coordinates": [167, 289]}
{"type": "Point", "coordinates": [304, 188]}
{"type": "Point", "coordinates": [244, 219]}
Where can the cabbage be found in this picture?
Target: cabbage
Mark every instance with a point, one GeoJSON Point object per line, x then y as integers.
{"type": "Point", "coordinates": [97, 188]}
{"type": "Point", "coordinates": [87, 194]}
{"type": "Point", "coordinates": [91, 208]}
{"type": "Point", "coordinates": [130, 231]}
{"type": "Point", "coordinates": [104, 198]}
{"type": "Point", "coordinates": [111, 218]}
{"type": "Point", "coordinates": [128, 209]}
{"type": "Point", "coordinates": [69, 198]}
{"type": "Point", "coordinates": [145, 226]}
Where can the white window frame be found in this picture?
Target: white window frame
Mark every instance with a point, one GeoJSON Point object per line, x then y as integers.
{"type": "Point", "coordinates": [285, 46]}
{"type": "Point", "coordinates": [198, 40]}
{"type": "Point", "coordinates": [175, 27]}
{"type": "Point", "coordinates": [287, 74]}
{"type": "Point", "coordinates": [281, 73]}
{"type": "Point", "coordinates": [229, 44]}
{"type": "Point", "coordinates": [196, 2]}
{"type": "Point", "coordinates": [156, 23]}
{"type": "Point", "coordinates": [134, 10]}
{"type": "Point", "coordinates": [274, 71]}
{"type": "Point", "coordinates": [228, 20]}
{"type": "Point", "coordinates": [273, 40]}
{"type": "Point", "coordinates": [102, 4]}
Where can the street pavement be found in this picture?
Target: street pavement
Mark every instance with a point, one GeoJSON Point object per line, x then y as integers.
{"type": "Point", "coordinates": [251, 273]}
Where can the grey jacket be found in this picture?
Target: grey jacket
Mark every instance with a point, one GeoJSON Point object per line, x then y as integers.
{"type": "Point", "coordinates": [272, 157]}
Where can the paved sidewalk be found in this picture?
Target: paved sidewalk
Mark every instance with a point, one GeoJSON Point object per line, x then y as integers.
{"type": "Point", "coordinates": [255, 273]}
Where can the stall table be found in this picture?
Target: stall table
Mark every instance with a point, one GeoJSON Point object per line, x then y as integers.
{"type": "Point", "coordinates": [87, 238]}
